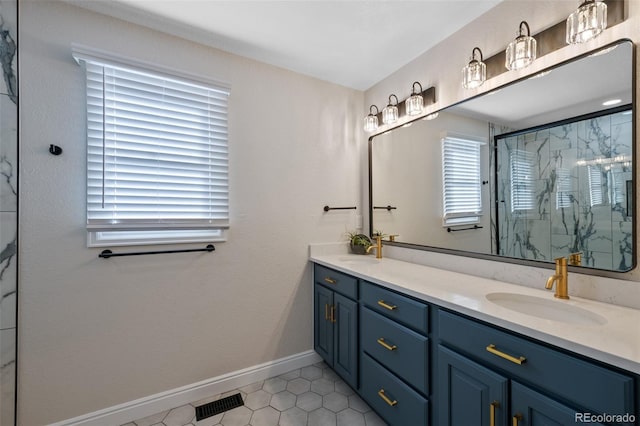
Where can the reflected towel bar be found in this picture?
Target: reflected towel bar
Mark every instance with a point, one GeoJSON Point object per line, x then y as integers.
{"type": "Point", "coordinates": [464, 229]}
{"type": "Point", "coordinates": [106, 254]}
{"type": "Point", "coordinates": [327, 208]}
{"type": "Point", "coordinates": [388, 208]}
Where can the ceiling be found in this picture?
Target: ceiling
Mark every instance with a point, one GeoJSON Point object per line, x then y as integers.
{"type": "Point", "coordinates": [354, 43]}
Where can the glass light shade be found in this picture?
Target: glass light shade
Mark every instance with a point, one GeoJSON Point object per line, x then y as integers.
{"type": "Point", "coordinates": [587, 22]}
{"type": "Point", "coordinates": [370, 123]}
{"type": "Point", "coordinates": [414, 104]}
{"type": "Point", "coordinates": [521, 52]}
{"type": "Point", "coordinates": [474, 74]}
{"type": "Point", "coordinates": [390, 114]}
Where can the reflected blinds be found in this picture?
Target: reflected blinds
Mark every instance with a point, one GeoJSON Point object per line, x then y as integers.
{"type": "Point", "coordinates": [462, 203]}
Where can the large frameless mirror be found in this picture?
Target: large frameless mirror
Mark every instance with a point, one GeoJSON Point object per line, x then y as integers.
{"type": "Point", "coordinates": [538, 169]}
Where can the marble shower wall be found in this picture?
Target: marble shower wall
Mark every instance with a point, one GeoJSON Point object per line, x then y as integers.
{"type": "Point", "coordinates": [8, 208]}
{"type": "Point", "coordinates": [563, 190]}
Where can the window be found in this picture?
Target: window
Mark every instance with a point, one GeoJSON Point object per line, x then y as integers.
{"type": "Point", "coordinates": [522, 189]}
{"type": "Point", "coordinates": [461, 181]}
{"type": "Point", "coordinates": [157, 163]}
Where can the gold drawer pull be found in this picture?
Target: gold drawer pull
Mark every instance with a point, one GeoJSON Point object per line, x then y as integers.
{"type": "Point", "coordinates": [386, 345]}
{"type": "Point", "coordinates": [492, 413]}
{"type": "Point", "coordinates": [386, 305]}
{"type": "Point", "coordinates": [326, 311]}
{"type": "Point", "coordinates": [330, 280]}
{"type": "Point", "coordinates": [516, 419]}
{"type": "Point", "coordinates": [386, 398]}
{"type": "Point", "coordinates": [333, 313]}
{"type": "Point", "coordinates": [492, 348]}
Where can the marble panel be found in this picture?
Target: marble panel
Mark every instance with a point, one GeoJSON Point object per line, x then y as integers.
{"type": "Point", "coordinates": [600, 260]}
{"type": "Point", "coordinates": [562, 245]}
{"type": "Point", "coordinates": [8, 269]}
{"type": "Point", "coordinates": [622, 242]}
{"type": "Point", "coordinates": [8, 155]}
{"type": "Point", "coordinates": [8, 48]}
{"type": "Point", "coordinates": [563, 137]}
{"type": "Point", "coordinates": [7, 375]}
{"type": "Point", "coordinates": [538, 240]}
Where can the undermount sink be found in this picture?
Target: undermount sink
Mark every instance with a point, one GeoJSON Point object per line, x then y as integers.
{"type": "Point", "coordinates": [551, 309]}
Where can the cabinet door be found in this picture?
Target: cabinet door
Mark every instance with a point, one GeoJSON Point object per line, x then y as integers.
{"type": "Point", "coordinates": [323, 327]}
{"type": "Point", "coordinates": [529, 408]}
{"type": "Point", "coordinates": [468, 393]}
{"type": "Point", "coordinates": [346, 339]}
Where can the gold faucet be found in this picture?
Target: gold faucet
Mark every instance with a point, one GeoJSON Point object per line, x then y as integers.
{"type": "Point", "coordinates": [575, 259]}
{"type": "Point", "coordinates": [560, 278]}
{"type": "Point", "coordinates": [378, 247]}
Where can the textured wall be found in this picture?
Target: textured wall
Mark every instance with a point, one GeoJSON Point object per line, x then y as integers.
{"type": "Point", "coordinates": [94, 332]}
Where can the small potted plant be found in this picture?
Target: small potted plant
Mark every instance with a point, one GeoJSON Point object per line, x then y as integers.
{"type": "Point", "coordinates": [359, 243]}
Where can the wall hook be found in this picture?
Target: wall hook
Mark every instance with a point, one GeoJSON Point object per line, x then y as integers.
{"type": "Point", "coordinates": [55, 149]}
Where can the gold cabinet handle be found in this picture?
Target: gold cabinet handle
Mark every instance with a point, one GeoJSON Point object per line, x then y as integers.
{"type": "Point", "coordinates": [386, 305]}
{"type": "Point", "coordinates": [516, 419]}
{"type": "Point", "coordinates": [330, 280]}
{"type": "Point", "coordinates": [326, 311]}
{"type": "Point", "coordinates": [492, 413]}
{"type": "Point", "coordinates": [492, 348]}
{"type": "Point", "coordinates": [386, 345]}
{"type": "Point", "coordinates": [333, 313]}
{"type": "Point", "coordinates": [386, 399]}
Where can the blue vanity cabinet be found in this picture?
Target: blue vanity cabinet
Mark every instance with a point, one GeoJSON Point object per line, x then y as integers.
{"type": "Point", "coordinates": [395, 359]}
{"type": "Point", "coordinates": [547, 386]}
{"type": "Point", "coordinates": [468, 393]}
{"type": "Point", "coordinates": [530, 408]}
{"type": "Point", "coordinates": [336, 321]}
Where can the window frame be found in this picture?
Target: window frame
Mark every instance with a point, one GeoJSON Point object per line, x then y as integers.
{"type": "Point", "coordinates": [460, 216]}
{"type": "Point", "coordinates": [163, 232]}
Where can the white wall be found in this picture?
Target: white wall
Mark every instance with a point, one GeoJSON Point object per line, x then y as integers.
{"type": "Point", "coordinates": [441, 67]}
{"type": "Point", "coordinates": [95, 333]}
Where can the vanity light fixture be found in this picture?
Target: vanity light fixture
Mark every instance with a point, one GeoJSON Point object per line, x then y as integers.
{"type": "Point", "coordinates": [371, 120]}
{"type": "Point", "coordinates": [390, 112]}
{"type": "Point", "coordinates": [475, 73]}
{"type": "Point", "coordinates": [522, 51]}
{"type": "Point", "coordinates": [414, 103]}
{"type": "Point", "coordinates": [587, 22]}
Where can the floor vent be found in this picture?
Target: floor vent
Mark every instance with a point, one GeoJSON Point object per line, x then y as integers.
{"type": "Point", "coordinates": [219, 406]}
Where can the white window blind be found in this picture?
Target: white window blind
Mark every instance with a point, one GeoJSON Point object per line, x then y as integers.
{"type": "Point", "coordinates": [563, 188]}
{"type": "Point", "coordinates": [522, 184]}
{"type": "Point", "coordinates": [595, 185]}
{"type": "Point", "coordinates": [462, 203]}
{"type": "Point", "coordinates": [157, 155]}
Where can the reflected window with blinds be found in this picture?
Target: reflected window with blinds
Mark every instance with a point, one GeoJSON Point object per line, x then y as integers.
{"type": "Point", "coordinates": [157, 156]}
{"type": "Point", "coordinates": [461, 181]}
{"type": "Point", "coordinates": [522, 184]}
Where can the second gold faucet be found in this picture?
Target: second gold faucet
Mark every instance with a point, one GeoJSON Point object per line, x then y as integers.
{"type": "Point", "coordinates": [377, 247]}
{"type": "Point", "coordinates": [561, 278]}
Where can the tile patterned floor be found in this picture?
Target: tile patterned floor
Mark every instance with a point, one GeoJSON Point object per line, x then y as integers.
{"type": "Point", "coordinates": [309, 396]}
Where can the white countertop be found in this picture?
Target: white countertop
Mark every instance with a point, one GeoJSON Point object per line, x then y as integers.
{"type": "Point", "coordinates": [617, 342]}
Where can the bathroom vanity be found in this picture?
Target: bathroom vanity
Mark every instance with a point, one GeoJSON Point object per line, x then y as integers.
{"type": "Point", "coordinates": [424, 346]}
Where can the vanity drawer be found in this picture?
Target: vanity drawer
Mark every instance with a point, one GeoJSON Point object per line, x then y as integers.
{"type": "Point", "coordinates": [407, 311]}
{"type": "Point", "coordinates": [394, 401]}
{"type": "Point", "coordinates": [336, 281]}
{"type": "Point", "coordinates": [401, 350]}
{"type": "Point", "coordinates": [583, 383]}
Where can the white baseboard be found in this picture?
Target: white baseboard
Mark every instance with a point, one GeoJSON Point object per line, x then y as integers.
{"type": "Point", "coordinates": [143, 407]}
